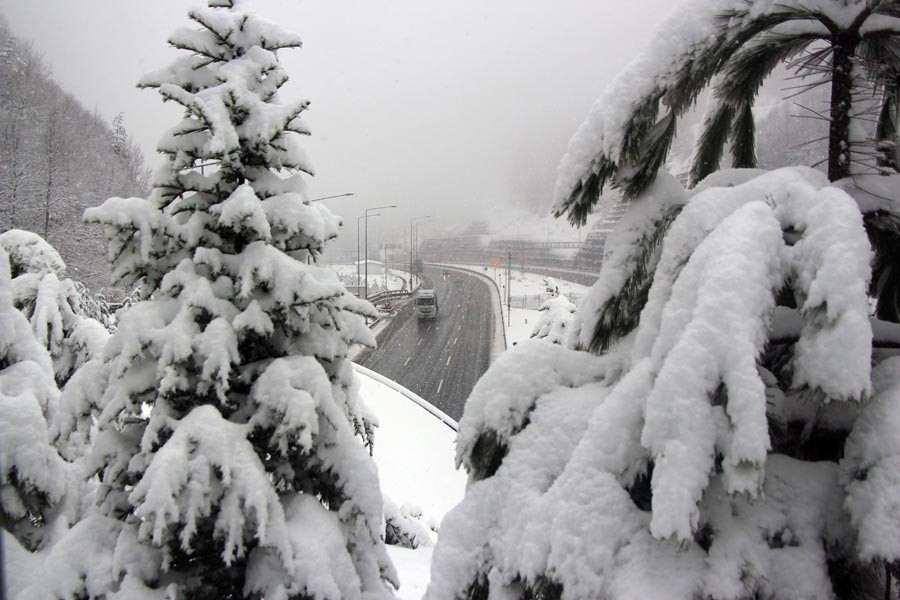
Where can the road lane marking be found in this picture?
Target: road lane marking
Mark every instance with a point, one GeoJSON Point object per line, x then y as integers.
{"type": "Point", "coordinates": [448, 361]}
{"type": "Point", "coordinates": [407, 361]}
{"type": "Point", "coordinates": [420, 342]}
{"type": "Point", "coordinates": [439, 387]}
{"type": "Point", "coordinates": [456, 339]}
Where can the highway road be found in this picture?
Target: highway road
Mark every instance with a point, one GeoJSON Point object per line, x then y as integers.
{"type": "Point", "coordinates": [439, 360]}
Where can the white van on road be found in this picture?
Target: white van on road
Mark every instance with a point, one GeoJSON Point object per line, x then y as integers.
{"type": "Point", "coordinates": [426, 304]}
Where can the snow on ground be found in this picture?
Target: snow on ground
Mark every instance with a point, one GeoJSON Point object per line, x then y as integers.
{"type": "Point", "coordinates": [414, 569]}
{"type": "Point", "coordinates": [529, 291]}
{"type": "Point", "coordinates": [396, 280]}
{"type": "Point", "coordinates": [520, 323]}
{"type": "Point", "coordinates": [414, 451]}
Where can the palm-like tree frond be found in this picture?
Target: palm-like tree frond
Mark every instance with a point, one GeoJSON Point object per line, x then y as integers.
{"type": "Point", "coordinates": [884, 235]}
{"type": "Point", "coordinates": [711, 145]}
{"type": "Point", "coordinates": [636, 179]}
{"type": "Point", "coordinates": [743, 137]}
{"type": "Point", "coordinates": [886, 129]}
{"type": "Point", "coordinates": [580, 202]}
{"type": "Point", "coordinates": [748, 43]}
{"type": "Point", "coordinates": [619, 316]}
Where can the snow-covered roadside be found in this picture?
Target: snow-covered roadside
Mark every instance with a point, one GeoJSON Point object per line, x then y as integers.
{"type": "Point", "coordinates": [528, 289]}
{"type": "Point", "coordinates": [394, 280]}
{"type": "Point", "coordinates": [520, 323]}
{"type": "Point", "coordinates": [414, 452]}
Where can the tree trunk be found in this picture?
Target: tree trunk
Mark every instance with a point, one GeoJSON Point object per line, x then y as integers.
{"type": "Point", "coordinates": [843, 48]}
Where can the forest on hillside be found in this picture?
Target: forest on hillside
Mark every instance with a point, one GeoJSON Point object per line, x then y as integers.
{"type": "Point", "coordinates": [58, 158]}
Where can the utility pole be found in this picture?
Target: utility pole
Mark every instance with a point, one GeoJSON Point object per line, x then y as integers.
{"type": "Point", "coordinates": [508, 286]}
{"type": "Point", "coordinates": [523, 258]}
{"type": "Point", "coordinates": [412, 246]}
{"type": "Point", "coordinates": [416, 239]}
{"type": "Point", "coordinates": [358, 219]}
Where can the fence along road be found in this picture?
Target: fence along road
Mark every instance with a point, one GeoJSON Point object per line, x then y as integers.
{"type": "Point", "coordinates": [439, 360]}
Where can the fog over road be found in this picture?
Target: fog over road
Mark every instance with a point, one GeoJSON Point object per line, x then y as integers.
{"type": "Point", "coordinates": [442, 359]}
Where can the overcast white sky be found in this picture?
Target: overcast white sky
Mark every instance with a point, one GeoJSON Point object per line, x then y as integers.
{"type": "Point", "coordinates": [453, 108]}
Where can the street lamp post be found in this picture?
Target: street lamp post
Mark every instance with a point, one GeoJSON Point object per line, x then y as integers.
{"type": "Point", "coordinates": [411, 221]}
{"type": "Point", "coordinates": [367, 243]}
{"type": "Point", "coordinates": [358, 219]}
{"type": "Point", "coordinates": [330, 197]}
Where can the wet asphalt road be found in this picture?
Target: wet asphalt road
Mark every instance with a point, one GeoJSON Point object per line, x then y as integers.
{"type": "Point", "coordinates": [439, 360]}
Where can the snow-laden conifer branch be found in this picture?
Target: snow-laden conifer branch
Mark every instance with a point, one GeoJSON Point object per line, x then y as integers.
{"type": "Point", "coordinates": [32, 474]}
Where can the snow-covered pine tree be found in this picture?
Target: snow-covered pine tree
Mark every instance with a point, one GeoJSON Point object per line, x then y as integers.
{"type": "Point", "coordinates": [230, 451]}
{"type": "Point", "coordinates": [120, 136]}
{"type": "Point", "coordinates": [52, 303]}
{"type": "Point", "coordinates": [32, 475]}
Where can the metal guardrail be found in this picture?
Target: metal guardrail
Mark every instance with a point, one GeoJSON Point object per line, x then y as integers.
{"type": "Point", "coordinates": [421, 402]}
{"type": "Point", "coordinates": [375, 298]}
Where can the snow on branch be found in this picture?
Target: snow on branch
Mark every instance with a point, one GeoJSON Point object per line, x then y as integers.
{"type": "Point", "coordinates": [208, 463]}
{"type": "Point", "coordinates": [652, 469]}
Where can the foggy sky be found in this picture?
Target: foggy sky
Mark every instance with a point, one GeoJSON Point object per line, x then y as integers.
{"type": "Point", "coordinates": [455, 108]}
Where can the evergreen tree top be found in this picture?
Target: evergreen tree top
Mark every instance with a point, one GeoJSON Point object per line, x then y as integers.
{"type": "Point", "coordinates": [227, 86]}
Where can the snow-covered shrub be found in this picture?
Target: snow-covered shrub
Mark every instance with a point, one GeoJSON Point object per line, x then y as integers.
{"type": "Point", "coordinates": [52, 303]}
{"type": "Point", "coordinates": [403, 526]}
{"type": "Point", "coordinates": [30, 253]}
{"type": "Point", "coordinates": [732, 442]}
{"type": "Point", "coordinates": [555, 321]}
{"type": "Point", "coordinates": [32, 475]}
{"type": "Point", "coordinates": [230, 448]}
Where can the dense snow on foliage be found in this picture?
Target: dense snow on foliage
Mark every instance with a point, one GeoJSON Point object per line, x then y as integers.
{"type": "Point", "coordinates": [231, 440]}
{"type": "Point", "coordinates": [702, 453]}
{"type": "Point", "coordinates": [32, 474]}
{"type": "Point", "coordinates": [555, 321]}
{"type": "Point", "coordinates": [30, 253]}
{"type": "Point", "coordinates": [52, 303]}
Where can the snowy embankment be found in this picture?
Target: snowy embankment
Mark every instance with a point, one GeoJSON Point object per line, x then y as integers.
{"type": "Point", "coordinates": [529, 292]}
{"type": "Point", "coordinates": [414, 452]}
{"type": "Point", "coordinates": [378, 280]}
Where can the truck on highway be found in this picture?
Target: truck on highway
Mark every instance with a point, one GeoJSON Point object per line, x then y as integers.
{"type": "Point", "coordinates": [426, 304]}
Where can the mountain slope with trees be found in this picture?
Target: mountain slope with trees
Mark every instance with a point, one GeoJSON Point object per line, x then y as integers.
{"type": "Point", "coordinates": [56, 159]}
